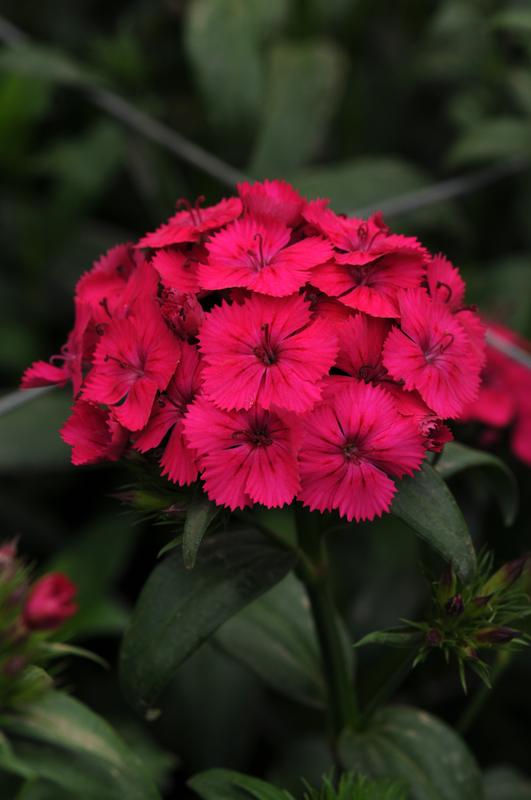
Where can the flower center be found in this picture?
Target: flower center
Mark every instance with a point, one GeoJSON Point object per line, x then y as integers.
{"type": "Point", "coordinates": [139, 370]}
{"type": "Point", "coordinates": [260, 437]}
{"type": "Point", "coordinates": [438, 348]}
{"type": "Point", "coordinates": [266, 351]}
{"type": "Point", "coordinates": [255, 255]}
{"type": "Point", "coordinates": [351, 451]}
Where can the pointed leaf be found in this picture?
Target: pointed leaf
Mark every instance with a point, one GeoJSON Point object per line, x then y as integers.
{"type": "Point", "coordinates": [305, 83]}
{"type": "Point", "coordinates": [425, 503]}
{"type": "Point", "coordinates": [223, 784]}
{"type": "Point", "coordinates": [62, 741]}
{"type": "Point", "coordinates": [458, 457]}
{"type": "Point", "coordinates": [275, 637]}
{"type": "Point", "coordinates": [200, 513]}
{"type": "Point", "coordinates": [179, 609]}
{"type": "Point", "coordinates": [397, 637]}
{"type": "Point", "coordinates": [409, 744]}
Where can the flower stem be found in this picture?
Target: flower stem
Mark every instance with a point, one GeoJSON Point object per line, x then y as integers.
{"type": "Point", "coordinates": [315, 574]}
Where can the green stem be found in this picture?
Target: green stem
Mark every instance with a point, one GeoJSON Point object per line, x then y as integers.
{"type": "Point", "coordinates": [314, 571]}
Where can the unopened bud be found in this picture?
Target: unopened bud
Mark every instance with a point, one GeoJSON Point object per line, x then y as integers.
{"type": "Point", "coordinates": [455, 606]}
{"type": "Point", "coordinates": [434, 637]}
{"type": "Point", "coordinates": [447, 585]}
{"type": "Point", "coordinates": [505, 576]}
{"type": "Point", "coordinates": [14, 666]}
{"type": "Point", "coordinates": [496, 635]}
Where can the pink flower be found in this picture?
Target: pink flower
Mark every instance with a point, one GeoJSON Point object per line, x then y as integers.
{"type": "Point", "coordinates": [432, 353]}
{"type": "Point", "coordinates": [94, 434]}
{"type": "Point", "coordinates": [245, 456]}
{"type": "Point", "coordinates": [505, 394]}
{"type": "Point", "coordinates": [178, 460]}
{"type": "Point", "coordinates": [257, 255]}
{"type": "Point", "coordinates": [445, 283]}
{"type": "Point", "coordinates": [192, 223]}
{"type": "Point", "coordinates": [183, 313]}
{"type": "Point", "coordinates": [363, 241]}
{"type": "Point", "coordinates": [361, 341]}
{"type": "Point", "coordinates": [435, 434]}
{"type": "Point", "coordinates": [352, 445]}
{"type": "Point", "coordinates": [267, 352]}
{"type": "Point", "coordinates": [274, 201]}
{"type": "Point", "coordinates": [134, 359]}
{"type": "Point", "coordinates": [50, 602]}
{"type": "Point", "coordinates": [108, 276]}
{"type": "Point", "coordinates": [177, 269]}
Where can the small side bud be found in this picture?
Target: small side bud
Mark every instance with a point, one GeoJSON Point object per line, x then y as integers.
{"type": "Point", "coordinates": [505, 576]}
{"type": "Point", "coordinates": [434, 638]}
{"type": "Point", "coordinates": [447, 585]}
{"type": "Point", "coordinates": [455, 606]}
{"type": "Point", "coordinates": [496, 635]}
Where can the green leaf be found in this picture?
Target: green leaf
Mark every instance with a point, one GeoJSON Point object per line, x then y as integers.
{"type": "Point", "coordinates": [457, 457]}
{"type": "Point", "coordinates": [394, 638]}
{"type": "Point", "coordinates": [224, 41]}
{"type": "Point", "coordinates": [58, 649]}
{"type": "Point", "coordinates": [179, 609]}
{"type": "Point", "coordinates": [506, 783]}
{"type": "Point", "coordinates": [305, 83]}
{"type": "Point", "coordinates": [515, 20]}
{"type": "Point", "coordinates": [10, 762]}
{"type": "Point", "coordinates": [200, 513]}
{"type": "Point", "coordinates": [491, 139]}
{"type": "Point", "coordinates": [425, 503]}
{"type": "Point", "coordinates": [275, 637]}
{"type": "Point", "coordinates": [360, 182]}
{"type": "Point", "coordinates": [409, 744]}
{"type": "Point", "coordinates": [29, 434]}
{"type": "Point", "coordinates": [223, 784]}
{"type": "Point", "coordinates": [62, 741]}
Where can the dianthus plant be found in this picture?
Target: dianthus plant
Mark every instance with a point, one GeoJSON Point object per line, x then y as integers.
{"type": "Point", "coordinates": [269, 368]}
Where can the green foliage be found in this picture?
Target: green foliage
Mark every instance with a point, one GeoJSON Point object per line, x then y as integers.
{"type": "Point", "coordinates": [179, 609]}
{"type": "Point", "coordinates": [61, 740]}
{"type": "Point", "coordinates": [411, 745]}
{"type": "Point", "coordinates": [425, 503]}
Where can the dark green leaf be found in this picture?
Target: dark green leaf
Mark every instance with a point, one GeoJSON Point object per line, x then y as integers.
{"type": "Point", "coordinates": [393, 638]}
{"type": "Point", "coordinates": [425, 503]}
{"type": "Point", "coordinates": [516, 20]}
{"type": "Point", "coordinates": [275, 637]}
{"type": "Point", "coordinates": [360, 182]}
{"type": "Point", "coordinates": [179, 609]}
{"type": "Point", "coordinates": [458, 457]}
{"type": "Point", "coordinates": [62, 741]}
{"type": "Point", "coordinates": [223, 784]}
{"type": "Point", "coordinates": [305, 82]}
{"type": "Point", "coordinates": [492, 138]}
{"type": "Point", "coordinates": [200, 513]}
{"type": "Point", "coordinates": [409, 744]}
{"type": "Point", "coordinates": [9, 762]}
{"type": "Point", "coordinates": [224, 39]}
{"type": "Point", "coordinates": [506, 783]}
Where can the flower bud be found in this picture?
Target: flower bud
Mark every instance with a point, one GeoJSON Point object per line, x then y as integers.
{"type": "Point", "coordinates": [496, 635]}
{"type": "Point", "coordinates": [447, 585]}
{"type": "Point", "coordinates": [433, 637]}
{"type": "Point", "coordinates": [505, 576]}
{"type": "Point", "coordinates": [455, 606]}
{"type": "Point", "coordinates": [50, 602]}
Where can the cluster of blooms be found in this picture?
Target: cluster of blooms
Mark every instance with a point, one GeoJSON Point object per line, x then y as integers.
{"type": "Point", "coordinates": [29, 612]}
{"type": "Point", "coordinates": [273, 347]}
{"type": "Point", "coordinates": [505, 395]}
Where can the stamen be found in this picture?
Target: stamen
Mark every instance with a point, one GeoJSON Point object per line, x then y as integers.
{"type": "Point", "coordinates": [441, 285]}
{"type": "Point", "coordinates": [104, 304]}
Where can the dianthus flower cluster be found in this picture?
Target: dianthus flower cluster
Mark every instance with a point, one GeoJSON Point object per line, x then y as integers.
{"type": "Point", "coordinates": [505, 395]}
{"type": "Point", "coordinates": [273, 348]}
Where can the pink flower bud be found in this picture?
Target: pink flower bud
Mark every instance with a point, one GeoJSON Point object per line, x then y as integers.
{"type": "Point", "coordinates": [50, 602]}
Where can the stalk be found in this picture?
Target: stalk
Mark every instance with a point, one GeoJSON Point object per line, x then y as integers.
{"type": "Point", "coordinates": [315, 574]}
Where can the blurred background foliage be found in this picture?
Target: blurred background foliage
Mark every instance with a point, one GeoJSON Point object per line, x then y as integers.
{"type": "Point", "coordinates": [362, 101]}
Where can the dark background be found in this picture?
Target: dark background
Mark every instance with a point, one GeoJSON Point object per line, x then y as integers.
{"type": "Point", "coordinates": [362, 101]}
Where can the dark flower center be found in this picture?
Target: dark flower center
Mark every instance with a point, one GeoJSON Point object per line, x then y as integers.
{"type": "Point", "coordinates": [266, 352]}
